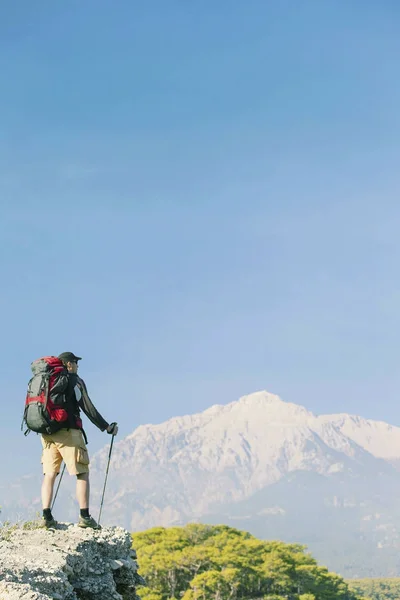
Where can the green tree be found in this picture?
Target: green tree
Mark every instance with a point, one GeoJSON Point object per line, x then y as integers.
{"type": "Point", "coordinates": [200, 562]}
{"type": "Point", "coordinates": [149, 594]}
{"type": "Point", "coordinates": [210, 585]}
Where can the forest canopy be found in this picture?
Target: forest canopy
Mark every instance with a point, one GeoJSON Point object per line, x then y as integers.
{"type": "Point", "coordinates": [201, 562]}
{"type": "Point", "coordinates": [377, 588]}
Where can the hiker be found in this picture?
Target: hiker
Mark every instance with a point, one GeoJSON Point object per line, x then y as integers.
{"type": "Point", "coordinates": [68, 445]}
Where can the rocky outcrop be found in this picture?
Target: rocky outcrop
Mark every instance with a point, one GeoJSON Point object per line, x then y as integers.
{"type": "Point", "coordinates": [67, 563]}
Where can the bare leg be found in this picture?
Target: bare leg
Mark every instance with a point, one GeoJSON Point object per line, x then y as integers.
{"type": "Point", "coordinates": [47, 489]}
{"type": "Point", "coordinates": [83, 490]}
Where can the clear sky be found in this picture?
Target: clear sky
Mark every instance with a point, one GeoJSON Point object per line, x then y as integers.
{"type": "Point", "coordinates": [202, 200]}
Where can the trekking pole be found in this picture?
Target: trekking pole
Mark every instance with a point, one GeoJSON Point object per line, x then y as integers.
{"type": "Point", "coordinates": [104, 489]}
{"type": "Point", "coordinates": [58, 487]}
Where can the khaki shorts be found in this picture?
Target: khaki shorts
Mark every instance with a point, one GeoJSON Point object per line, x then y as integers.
{"type": "Point", "coordinates": [65, 445]}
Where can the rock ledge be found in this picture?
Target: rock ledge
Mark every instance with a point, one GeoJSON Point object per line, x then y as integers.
{"type": "Point", "coordinates": [68, 563]}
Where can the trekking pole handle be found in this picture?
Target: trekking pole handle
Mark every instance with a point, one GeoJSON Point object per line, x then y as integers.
{"type": "Point", "coordinates": [112, 429]}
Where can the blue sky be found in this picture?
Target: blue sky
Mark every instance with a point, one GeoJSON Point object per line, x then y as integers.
{"type": "Point", "coordinates": [202, 200]}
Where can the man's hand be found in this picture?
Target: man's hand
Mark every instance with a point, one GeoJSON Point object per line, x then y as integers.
{"type": "Point", "coordinates": [112, 429]}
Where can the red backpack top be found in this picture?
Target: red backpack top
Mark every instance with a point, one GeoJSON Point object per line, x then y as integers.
{"type": "Point", "coordinates": [45, 408]}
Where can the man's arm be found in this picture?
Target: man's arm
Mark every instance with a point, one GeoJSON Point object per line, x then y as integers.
{"type": "Point", "coordinates": [89, 409]}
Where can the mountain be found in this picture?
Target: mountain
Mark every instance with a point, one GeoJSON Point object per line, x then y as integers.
{"type": "Point", "coordinates": [264, 465]}
{"type": "Point", "coordinates": [192, 464]}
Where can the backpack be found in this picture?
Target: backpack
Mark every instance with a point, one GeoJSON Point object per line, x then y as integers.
{"type": "Point", "coordinates": [45, 408]}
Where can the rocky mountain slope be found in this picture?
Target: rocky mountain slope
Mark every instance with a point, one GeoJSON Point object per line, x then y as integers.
{"type": "Point", "coordinates": [186, 467]}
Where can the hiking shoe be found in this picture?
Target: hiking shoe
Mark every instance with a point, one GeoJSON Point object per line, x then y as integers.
{"type": "Point", "coordinates": [88, 522]}
{"type": "Point", "coordinates": [48, 523]}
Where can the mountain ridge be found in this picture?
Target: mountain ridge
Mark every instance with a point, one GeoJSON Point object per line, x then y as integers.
{"type": "Point", "coordinates": [251, 449]}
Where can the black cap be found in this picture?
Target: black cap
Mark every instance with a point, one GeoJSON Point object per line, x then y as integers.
{"type": "Point", "coordinates": [69, 357]}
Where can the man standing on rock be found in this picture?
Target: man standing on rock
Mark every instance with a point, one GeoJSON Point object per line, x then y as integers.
{"type": "Point", "coordinates": [68, 445]}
